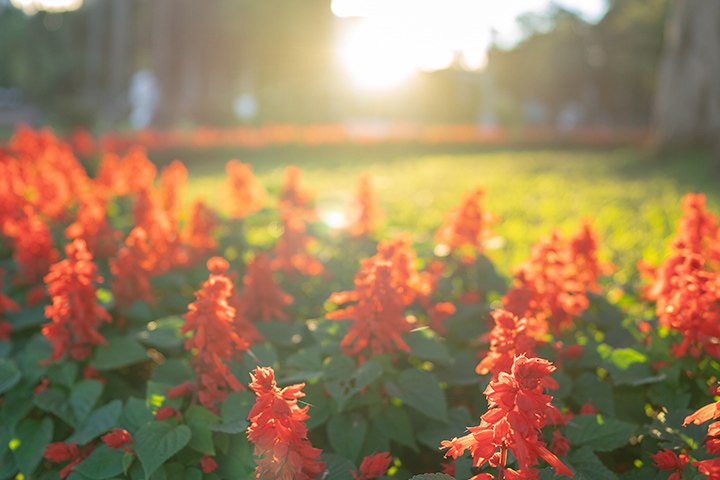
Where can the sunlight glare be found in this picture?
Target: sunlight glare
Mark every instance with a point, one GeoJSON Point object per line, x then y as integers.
{"type": "Point", "coordinates": [31, 7]}
{"type": "Point", "coordinates": [374, 57]}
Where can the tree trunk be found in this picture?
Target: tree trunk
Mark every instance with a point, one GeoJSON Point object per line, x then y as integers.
{"type": "Point", "coordinates": [687, 107]}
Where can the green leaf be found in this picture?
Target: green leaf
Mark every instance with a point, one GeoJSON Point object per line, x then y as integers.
{"type": "Point", "coordinates": [9, 375]}
{"type": "Point", "coordinates": [55, 402]}
{"type": "Point", "coordinates": [421, 390]}
{"type": "Point", "coordinates": [199, 420]}
{"type": "Point", "coordinates": [602, 434]}
{"type": "Point", "coordinates": [135, 414]}
{"type": "Point", "coordinates": [165, 334]}
{"type": "Point", "coordinates": [119, 352]}
{"type": "Point", "coordinates": [627, 366]}
{"type": "Point", "coordinates": [32, 437]}
{"type": "Point", "coordinates": [427, 347]}
{"type": "Point", "coordinates": [100, 421]}
{"type": "Point", "coordinates": [395, 424]}
{"type": "Point", "coordinates": [346, 434]}
{"type": "Point", "coordinates": [234, 411]}
{"type": "Point", "coordinates": [28, 317]}
{"type": "Point", "coordinates": [589, 388]}
{"type": "Point", "coordinates": [344, 381]}
{"type": "Point", "coordinates": [435, 432]}
{"type": "Point", "coordinates": [30, 358]}
{"type": "Point", "coordinates": [156, 442]}
{"type": "Point", "coordinates": [588, 466]}
{"type": "Point", "coordinates": [83, 397]}
{"type": "Point", "coordinates": [432, 476]}
{"type": "Point", "coordinates": [282, 334]}
{"type": "Point", "coordinates": [172, 372]}
{"type": "Point", "coordinates": [338, 467]}
{"type": "Point", "coordinates": [102, 463]}
{"type": "Point", "coordinates": [63, 373]}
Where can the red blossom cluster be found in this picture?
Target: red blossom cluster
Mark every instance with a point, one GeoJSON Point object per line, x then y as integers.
{"type": "Point", "coordinates": [671, 462]}
{"type": "Point", "coordinates": [33, 250]}
{"type": "Point", "coordinates": [7, 305]}
{"type": "Point", "coordinates": [292, 251]}
{"type": "Point", "coordinates": [60, 452]}
{"type": "Point", "coordinates": [374, 466]}
{"type": "Point", "coordinates": [132, 269]}
{"type": "Point", "coordinates": [131, 173]}
{"type": "Point", "coordinates": [551, 288]}
{"type": "Point", "coordinates": [262, 298]}
{"type": "Point", "coordinates": [385, 285]}
{"type": "Point", "coordinates": [711, 411]}
{"type": "Point", "coordinates": [467, 226]}
{"type": "Point", "coordinates": [278, 431]}
{"type": "Point", "coordinates": [198, 235]}
{"type": "Point", "coordinates": [162, 231]}
{"type": "Point", "coordinates": [686, 287]}
{"type": "Point", "coordinates": [91, 224]}
{"type": "Point", "coordinates": [368, 214]}
{"type": "Point", "coordinates": [247, 195]}
{"type": "Point", "coordinates": [74, 314]}
{"type": "Point", "coordinates": [118, 438]}
{"type": "Point", "coordinates": [293, 197]}
{"type": "Point", "coordinates": [171, 186]}
{"type": "Point", "coordinates": [508, 339]}
{"type": "Point", "coordinates": [214, 340]}
{"type": "Point", "coordinates": [517, 410]}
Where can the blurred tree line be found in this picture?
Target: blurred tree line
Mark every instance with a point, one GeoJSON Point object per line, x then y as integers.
{"type": "Point", "coordinates": [204, 54]}
{"type": "Point", "coordinates": [608, 71]}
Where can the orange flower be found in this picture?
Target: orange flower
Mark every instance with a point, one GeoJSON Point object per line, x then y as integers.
{"type": "Point", "coordinates": [374, 466]}
{"type": "Point", "coordinates": [262, 297]}
{"type": "Point", "coordinates": [292, 253]}
{"type": "Point", "coordinates": [132, 268]}
{"type": "Point", "coordinates": [386, 284]}
{"type": "Point", "coordinates": [508, 339]}
{"type": "Point", "coordinates": [368, 212]}
{"type": "Point", "coordinates": [293, 197]}
{"type": "Point", "coordinates": [247, 195]}
{"type": "Point", "coordinates": [278, 431]}
{"type": "Point", "coordinates": [74, 314]}
{"type": "Point", "coordinates": [214, 341]}
{"type": "Point", "coordinates": [467, 226]}
{"type": "Point", "coordinates": [172, 183]}
{"type": "Point", "coordinates": [198, 233]}
{"type": "Point", "coordinates": [517, 410]}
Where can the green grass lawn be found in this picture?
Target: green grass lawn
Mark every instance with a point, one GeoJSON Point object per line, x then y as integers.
{"type": "Point", "coordinates": [631, 196]}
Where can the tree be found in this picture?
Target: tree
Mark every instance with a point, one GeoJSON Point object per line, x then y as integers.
{"type": "Point", "coordinates": [687, 107]}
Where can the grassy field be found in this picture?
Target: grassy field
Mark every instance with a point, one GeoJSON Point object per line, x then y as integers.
{"type": "Point", "coordinates": [631, 196]}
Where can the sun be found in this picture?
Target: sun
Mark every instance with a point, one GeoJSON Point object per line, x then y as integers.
{"type": "Point", "coordinates": [375, 57]}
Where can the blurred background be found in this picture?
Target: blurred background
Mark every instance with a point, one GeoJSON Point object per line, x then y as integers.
{"type": "Point", "coordinates": [562, 65]}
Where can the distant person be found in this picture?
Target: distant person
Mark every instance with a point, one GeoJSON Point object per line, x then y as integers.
{"type": "Point", "coordinates": [144, 96]}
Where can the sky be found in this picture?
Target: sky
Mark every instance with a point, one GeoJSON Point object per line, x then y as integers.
{"type": "Point", "coordinates": [382, 42]}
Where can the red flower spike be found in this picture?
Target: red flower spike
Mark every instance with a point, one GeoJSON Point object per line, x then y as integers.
{"type": "Point", "coordinates": [517, 411]}
{"type": "Point", "coordinates": [132, 269]}
{"type": "Point", "coordinates": [508, 339]}
{"type": "Point", "coordinates": [74, 314]}
{"type": "Point", "coordinates": [368, 212]}
{"type": "Point", "coordinates": [709, 468]}
{"type": "Point", "coordinates": [467, 226]}
{"type": "Point", "coordinates": [33, 249]}
{"type": "Point", "coordinates": [181, 390]}
{"type": "Point", "coordinates": [117, 438]}
{"type": "Point", "coordinates": [262, 298]}
{"type": "Point", "coordinates": [246, 193]}
{"type": "Point", "coordinates": [165, 413]}
{"type": "Point", "coordinates": [171, 186]}
{"type": "Point", "coordinates": [278, 431]}
{"type": "Point", "coordinates": [292, 252]}
{"type": "Point", "coordinates": [7, 305]}
{"type": "Point", "coordinates": [293, 196]}
{"type": "Point", "coordinates": [386, 284]}
{"type": "Point", "coordinates": [214, 340]}
{"type": "Point", "coordinates": [199, 231]}
{"type": "Point", "coordinates": [92, 226]}
{"type": "Point", "coordinates": [60, 452]}
{"type": "Point", "coordinates": [373, 466]}
{"type": "Point", "coordinates": [550, 289]}
{"type": "Point", "coordinates": [208, 464]}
